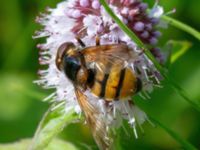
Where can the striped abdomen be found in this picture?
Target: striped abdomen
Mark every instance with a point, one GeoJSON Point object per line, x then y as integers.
{"type": "Point", "coordinates": [115, 83]}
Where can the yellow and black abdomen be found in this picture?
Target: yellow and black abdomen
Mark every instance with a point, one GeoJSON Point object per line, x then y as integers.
{"type": "Point", "coordinates": [114, 82]}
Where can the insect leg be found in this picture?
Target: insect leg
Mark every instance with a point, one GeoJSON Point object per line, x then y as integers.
{"type": "Point", "coordinates": [97, 40]}
{"type": "Point", "coordinates": [80, 42]}
{"type": "Point", "coordinates": [142, 52]}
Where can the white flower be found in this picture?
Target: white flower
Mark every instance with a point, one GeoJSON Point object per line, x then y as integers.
{"type": "Point", "coordinates": [87, 19]}
{"type": "Point", "coordinates": [93, 24]}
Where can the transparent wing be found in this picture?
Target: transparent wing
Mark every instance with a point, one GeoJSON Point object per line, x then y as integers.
{"type": "Point", "coordinates": [105, 56]}
{"type": "Point", "coordinates": [94, 120]}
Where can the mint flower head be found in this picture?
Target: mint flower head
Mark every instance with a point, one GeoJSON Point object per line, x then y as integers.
{"type": "Point", "coordinates": [87, 19]}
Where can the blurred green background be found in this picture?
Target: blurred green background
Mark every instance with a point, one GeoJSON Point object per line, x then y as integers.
{"type": "Point", "coordinates": [21, 106]}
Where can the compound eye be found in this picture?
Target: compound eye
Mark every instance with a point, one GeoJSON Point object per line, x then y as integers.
{"type": "Point", "coordinates": [62, 51]}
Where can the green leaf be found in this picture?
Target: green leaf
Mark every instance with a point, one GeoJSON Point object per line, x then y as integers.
{"type": "Point", "coordinates": [179, 48]}
{"type": "Point", "coordinates": [56, 144]}
{"type": "Point", "coordinates": [185, 145]}
{"type": "Point", "coordinates": [140, 44]}
{"type": "Point", "coordinates": [52, 123]}
{"type": "Point", "coordinates": [182, 26]}
{"type": "Point", "coordinates": [175, 49]}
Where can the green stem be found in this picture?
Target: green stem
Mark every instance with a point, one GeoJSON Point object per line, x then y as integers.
{"type": "Point", "coordinates": [182, 26]}
{"type": "Point", "coordinates": [172, 83]}
{"type": "Point", "coordinates": [186, 145]}
{"type": "Point", "coordinates": [185, 46]}
{"type": "Point", "coordinates": [163, 72]}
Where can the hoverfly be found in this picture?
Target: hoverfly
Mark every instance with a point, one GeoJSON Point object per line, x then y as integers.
{"type": "Point", "coordinates": [104, 70]}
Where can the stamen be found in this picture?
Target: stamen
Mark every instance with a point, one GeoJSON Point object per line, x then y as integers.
{"type": "Point", "coordinates": [58, 106]}
{"type": "Point", "coordinates": [49, 97]}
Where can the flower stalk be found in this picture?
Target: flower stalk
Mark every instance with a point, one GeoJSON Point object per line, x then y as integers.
{"type": "Point", "coordinates": [182, 26]}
